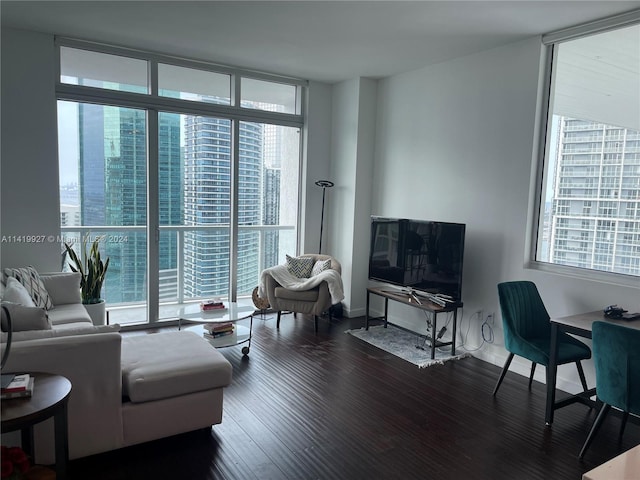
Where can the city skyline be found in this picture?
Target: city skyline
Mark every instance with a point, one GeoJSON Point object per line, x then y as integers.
{"type": "Point", "coordinates": [109, 188]}
{"type": "Point", "coordinates": [592, 217]}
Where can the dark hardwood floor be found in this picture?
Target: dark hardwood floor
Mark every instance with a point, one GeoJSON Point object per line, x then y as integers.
{"type": "Point", "coordinates": [329, 406]}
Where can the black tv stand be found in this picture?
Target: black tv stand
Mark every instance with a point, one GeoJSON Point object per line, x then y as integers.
{"type": "Point", "coordinates": [413, 299]}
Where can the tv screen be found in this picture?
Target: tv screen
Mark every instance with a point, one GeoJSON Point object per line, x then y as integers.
{"type": "Point", "coordinates": [418, 254]}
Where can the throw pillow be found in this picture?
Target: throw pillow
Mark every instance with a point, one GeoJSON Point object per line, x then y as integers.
{"type": "Point", "coordinates": [15, 292]}
{"type": "Point", "coordinates": [320, 266]}
{"type": "Point", "coordinates": [300, 267]}
{"type": "Point", "coordinates": [25, 318]}
{"type": "Point", "coordinates": [63, 288]}
{"type": "Point", "coordinates": [28, 276]}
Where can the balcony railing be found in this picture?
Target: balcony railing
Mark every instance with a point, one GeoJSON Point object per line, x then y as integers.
{"type": "Point", "coordinates": [194, 262]}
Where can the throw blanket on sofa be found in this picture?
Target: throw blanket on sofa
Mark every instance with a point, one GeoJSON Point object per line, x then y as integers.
{"type": "Point", "coordinates": [291, 282]}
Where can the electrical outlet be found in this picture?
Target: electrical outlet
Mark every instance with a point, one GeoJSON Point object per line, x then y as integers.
{"type": "Point", "coordinates": [479, 313]}
{"type": "Point", "coordinates": [490, 318]}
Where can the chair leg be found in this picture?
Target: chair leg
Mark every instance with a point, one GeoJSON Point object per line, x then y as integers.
{"type": "Point", "coordinates": [503, 373]}
{"type": "Point", "coordinates": [533, 370]}
{"type": "Point", "coordinates": [278, 320]}
{"type": "Point", "coordinates": [625, 417]}
{"type": "Point", "coordinates": [581, 373]}
{"type": "Point", "coordinates": [594, 429]}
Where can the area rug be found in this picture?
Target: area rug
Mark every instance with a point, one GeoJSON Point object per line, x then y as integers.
{"type": "Point", "coordinates": [405, 345]}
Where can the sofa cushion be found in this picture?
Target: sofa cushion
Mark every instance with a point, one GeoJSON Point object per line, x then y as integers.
{"type": "Point", "coordinates": [163, 365]}
{"type": "Point", "coordinates": [76, 329]}
{"type": "Point", "coordinates": [29, 277]}
{"type": "Point", "coordinates": [63, 287]}
{"type": "Point", "coordinates": [69, 313]}
{"type": "Point", "coordinates": [25, 318]}
{"type": "Point", "coordinates": [15, 292]}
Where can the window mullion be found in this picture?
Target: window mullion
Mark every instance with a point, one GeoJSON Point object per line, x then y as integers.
{"type": "Point", "coordinates": [153, 217]}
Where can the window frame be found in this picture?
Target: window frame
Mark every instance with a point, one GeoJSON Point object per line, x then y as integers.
{"type": "Point", "coordinates": [153, 104]}
{"type": "Point", "coordinates": [543, 130]}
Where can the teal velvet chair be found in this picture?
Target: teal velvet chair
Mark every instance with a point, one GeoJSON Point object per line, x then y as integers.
{"type": "Point", "coordinates": [616, 357]}
{"type": "Point", "coordinates": [527, 331]}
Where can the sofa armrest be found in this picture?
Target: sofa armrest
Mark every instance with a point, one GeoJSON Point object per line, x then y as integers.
{"type": "Point", "coordinates": [92, 364]}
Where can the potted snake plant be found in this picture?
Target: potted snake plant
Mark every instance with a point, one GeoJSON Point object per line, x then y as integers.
{"type": "Point", "coordinates": [92, 270]}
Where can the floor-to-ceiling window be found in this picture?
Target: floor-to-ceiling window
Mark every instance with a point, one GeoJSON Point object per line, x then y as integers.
{"type": "Point", "coordinates": [190, 173]}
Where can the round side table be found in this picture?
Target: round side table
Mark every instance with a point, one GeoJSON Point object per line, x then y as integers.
{"type": "Point", "coordinates": [49, 399]}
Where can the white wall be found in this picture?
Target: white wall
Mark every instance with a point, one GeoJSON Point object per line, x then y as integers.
{"type": "Point", "coordinates": [340, 202]}
{"type": "Point", "coordinates": [455, 142]}
{"type": "Point", "coordinates": [349, 201]}
{"type": "Point", "coordinates": [316, 164]}
{"type": "Point", "coordinates": [29, 199]}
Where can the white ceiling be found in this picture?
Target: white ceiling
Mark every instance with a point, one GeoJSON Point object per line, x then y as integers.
{"type": "Point", "coordinates": [317, 40]}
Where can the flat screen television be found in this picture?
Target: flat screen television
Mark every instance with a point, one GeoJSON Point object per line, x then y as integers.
{"type": "Point", "coordinates": [418, 255]}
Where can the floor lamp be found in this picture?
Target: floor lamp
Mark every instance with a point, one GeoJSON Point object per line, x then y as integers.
{"type": "Point", "coordinates": [324, 184]}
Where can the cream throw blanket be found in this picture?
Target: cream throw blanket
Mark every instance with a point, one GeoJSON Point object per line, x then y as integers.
{"type": "Point", "coordinates": [291, 282]}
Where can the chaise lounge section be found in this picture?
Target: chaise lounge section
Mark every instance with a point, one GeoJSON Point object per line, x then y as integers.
{"type": "Point", "coordinates": [129, 390]}
{"type": "Point", "coordinates": [125, 390]}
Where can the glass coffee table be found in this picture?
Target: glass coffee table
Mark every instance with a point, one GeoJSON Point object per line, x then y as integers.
{"type": "Point", "coordinates": [233, 313]}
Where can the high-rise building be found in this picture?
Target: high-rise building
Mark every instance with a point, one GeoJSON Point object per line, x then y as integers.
{"type": "Point", "coordinates": [595, 220]}
{"type": "Point", "coordinates": [207, 202]}
{"type": "Point", "coordinates": [113, 191]}
{"type": "Point", "coordinates": [195, 191]}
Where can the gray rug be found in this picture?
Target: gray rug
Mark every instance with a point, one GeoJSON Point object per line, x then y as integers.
{"type": "Point", "coordinates": [403, 344]}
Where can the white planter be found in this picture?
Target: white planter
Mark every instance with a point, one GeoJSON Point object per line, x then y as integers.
{"type": "Point", "coordinates": [97, 312]}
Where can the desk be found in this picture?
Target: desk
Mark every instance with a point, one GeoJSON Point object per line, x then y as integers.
{"type": "Point", "coordinates": [49, 399]}
{"type": "Point", "coordinates": [579, 325]}
{"type": "Point", "coordinates": [425, 305]}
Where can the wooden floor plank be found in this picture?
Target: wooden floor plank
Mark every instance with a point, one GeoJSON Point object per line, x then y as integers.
{"type": "Point", "coordinates": [329, 406]}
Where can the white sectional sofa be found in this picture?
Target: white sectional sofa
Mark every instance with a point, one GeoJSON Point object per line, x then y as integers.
{"type": "Point", "coordinates": [125, 390]}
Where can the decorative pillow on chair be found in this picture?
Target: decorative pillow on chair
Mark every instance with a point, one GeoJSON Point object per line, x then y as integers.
{"type": "Point", "coordinates": [320, 266]}
{"type": "Point", "coordinates": [28, 276]}
{"type": "Point", "coordinates": [300, 267]}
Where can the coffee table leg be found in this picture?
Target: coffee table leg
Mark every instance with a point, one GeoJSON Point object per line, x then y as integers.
{"type": "Point", "coordinates": [62, 442]}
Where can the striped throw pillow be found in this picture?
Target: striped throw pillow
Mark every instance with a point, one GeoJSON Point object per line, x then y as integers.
{"type": "Point", "coordinates": [29, 278]}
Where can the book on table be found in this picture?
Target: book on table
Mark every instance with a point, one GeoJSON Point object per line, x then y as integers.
{"type": "Point", "coordinates": [20, 386]}
{"type": "Point", "coordinates": [209, 305]}
{"type": "Point", "coordinates": [217, 330]}
{"type": "Point", "coordinates": [18, 383]}
{"type": "Point", "coordinates": [214, 328]}
{"type": "Point", "coordinates": [214, 336]}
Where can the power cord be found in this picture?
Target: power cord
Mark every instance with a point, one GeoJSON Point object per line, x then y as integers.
{"type": "Point", "coordinates": [437, 335]}
{"type": "Point", "coordinates": [466, 336]}
{"type": "Point", "coordinates": [487, 329]}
